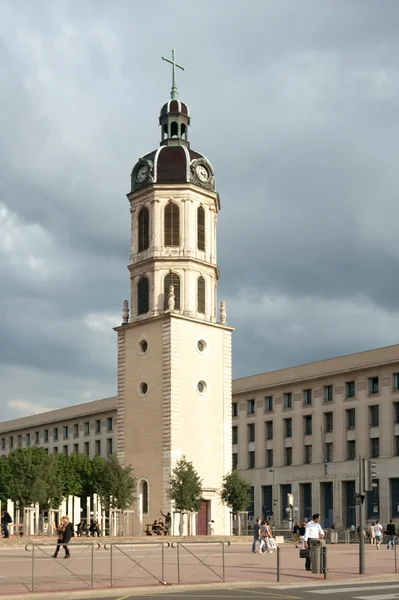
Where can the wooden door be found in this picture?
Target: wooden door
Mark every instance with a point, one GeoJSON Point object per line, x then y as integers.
{"type": "Point", "coordinates": [203, 518]}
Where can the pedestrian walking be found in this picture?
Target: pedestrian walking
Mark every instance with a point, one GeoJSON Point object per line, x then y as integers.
{"type": "Point", "coordinates": [372, 534]}
{"type": "Point", "coordinates": [391, 535]}
{"type": "Point", "coordinates": [256, 536]}
{"type": "Point", "coordinates": [5, 521]}
{"type": "Point", "coordinates": [378, 534]}
{"type": "Point", "coordinates": [313, 531]}
{"type": "Point", "coordinates": [65, 533]}
{"type": "Point", "coordinates": [295, 534]}
{"type": "Point", "coordinates": [302, 534]}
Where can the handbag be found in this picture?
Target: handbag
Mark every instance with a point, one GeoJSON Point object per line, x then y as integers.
{"type": "Point", "coordinates": [304, 553]}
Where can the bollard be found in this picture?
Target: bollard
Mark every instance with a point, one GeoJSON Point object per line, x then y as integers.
{"type": "Point", "coordinates": [324, 557]}
{"type": "Point", "coordinates": [395, 544]}
{"type": "Point", "coordinates": [278, 563]}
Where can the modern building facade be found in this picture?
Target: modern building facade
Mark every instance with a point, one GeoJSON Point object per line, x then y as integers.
{"type": "Point", "coordinates": [300, 431]}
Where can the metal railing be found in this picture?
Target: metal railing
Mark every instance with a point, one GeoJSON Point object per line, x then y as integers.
{"type": "Point", "coordinates": [215, 544]}
{"type": "Point", "coordinates": [121, 547]}
{"type": "Point", "coordinates": [43, 551]}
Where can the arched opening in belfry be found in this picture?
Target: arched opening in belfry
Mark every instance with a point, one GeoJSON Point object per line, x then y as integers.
{"type": "Point", "coordinates": [171, 279]}
{"type": "Point", "coordinates": [143, 229]}
{"type": "Point", "coordinates": [174, 129]}
{"type": "Point", "coordinates": [143, 296]}
{"type": "Point", "coordinates": [201, 295]}
{"type": "Point", "coordinates": [172, 224]}
{"type": "Point", "coordinates": [201, 228]}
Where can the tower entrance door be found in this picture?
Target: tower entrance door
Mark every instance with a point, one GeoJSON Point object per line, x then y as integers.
{"type": "Point", "coordinates": [203, 517]}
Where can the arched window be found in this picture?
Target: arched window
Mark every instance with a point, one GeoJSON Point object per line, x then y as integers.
{"type": "Point", "coordinates": [201, 295]}
{"type": "Point", "coordinates": [172, 224]}
{"type": "Point", "coordinates": [144, 229]}
{"type": "Point", "coordinates": [143, 497]}
{"type": "Point", "coordinates": [174, 129]}
{"type": "Point", "coordinates": [201, 228]}
{"type": "Point", "coordinates": [171, 279]}
{"type": "Point", "coordinates": [143, 296]}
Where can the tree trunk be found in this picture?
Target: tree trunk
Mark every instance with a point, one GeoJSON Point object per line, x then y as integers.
{"type": "Point", "coordinates": [181, 523]}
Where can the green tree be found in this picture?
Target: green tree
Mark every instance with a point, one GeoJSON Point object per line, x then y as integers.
{"type": "Point", "coordinates": [114, 483]}
{"type": "Point", "coordinates": [185, 488]}
{"type": "Point", "coordinates": [28, 468]}
{"type": "Point", "coordinates": [4, 478]}
{"type": "Point", "coordinates": [235, 493]}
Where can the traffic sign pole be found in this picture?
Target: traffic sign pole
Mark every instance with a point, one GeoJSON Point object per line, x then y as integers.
{"type": "Point", "coordinates": [361, 516]}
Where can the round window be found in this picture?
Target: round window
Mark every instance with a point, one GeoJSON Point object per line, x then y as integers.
{"type": "Point", "coordinates": [201, 387]}
{"type": "Point", "coordinates": [143, 346]}
{"type": "Point", "coordinates": [201, 346]}
{"type": "Point", "coordinates": [143, 388]}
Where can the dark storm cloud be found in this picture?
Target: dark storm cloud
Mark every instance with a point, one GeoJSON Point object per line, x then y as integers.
{"type": "Point", "coordinates": [295, 104]}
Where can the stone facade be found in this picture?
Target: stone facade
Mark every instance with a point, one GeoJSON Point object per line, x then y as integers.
{"type": "Point", "coordinates": [300, 430]}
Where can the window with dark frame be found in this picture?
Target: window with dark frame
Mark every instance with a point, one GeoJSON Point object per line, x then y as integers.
{"type": "Point", "coordinates": [395, 382]}
{"type": "Point", "coordinates": [269, 404]}
{"type": "Point", "coordinates": [351, 418]}
{"type": "Point", "coordinates": [374, 416]}
{"type": "Point", "coordinates": [308, 454]}
{"type": "Point", "coordinates": [251, 407]}
{"type": "Point", "coordinates": [396, 412]}
{"type": "Point", "coordinates": [201, 295]}
{"type": "Point", "coordinates": [328, 393]}
{"type": "Point", "coordinates": [235, 460]}
{"type": "Point", "coordinates": [288, 456]}
{"type": "Point", "coordinates": [234, 409]}
{"type": "Point", "coordinates": [351, 450]}
{"type": "Point", "coordinates": [287, 428]}
{"type": "Point", "coordinates": [307, 397]}
{"type": "Point", "coordinates": [329, 422]}
{"type": "Point", "coordinates": [329, 452]}
{"type": "Point", "coordinates": [269, 457]}
{"type": "Point", "coordinates": [374, 386]}
{"type": "Point", "coordinates": [251, 459]}
{"type": "Point", "coordinates": [307, 425]}
{"type": "Point", "coordinates": [172, 224]}
{"type": "Point", "coordinates": [143, 222]}
{"type": "Point", "coordinates": [201, 228]}
{"type": "Point", "coordinates": [287, 399]}
{"type": "Point", "coordinates": [269, 430]}
{"type": "Point", "coordinates": [143, 296]}
{"type": "Point", "coordinates": [374, 447]}
{"type": "Point", "coordinates": [234, 432]}
{"type": "Point", "coordinates": [350, 389]}
{"type": "Point", "coordinates": [251, 432]}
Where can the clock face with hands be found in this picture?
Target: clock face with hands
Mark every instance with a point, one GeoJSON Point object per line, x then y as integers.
{"type": "Point", "coordinates": [202, 173]}
{"type": "Point", "coordinates": [142, 173]}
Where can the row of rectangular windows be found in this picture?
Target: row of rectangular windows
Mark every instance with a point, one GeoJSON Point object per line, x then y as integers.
{"type": "Point", "coordinates": [86, 448]}
{"type": "Point", "coordinates": [269, 503]}
{"type": "Point", "coordinates": [307, 395]}
{"type": "Point", "coordinates": [350, 422]}
{"type": "Point", "coordinates": [328, 453]}
{"type": "Point", "coordinates": [56, 437]}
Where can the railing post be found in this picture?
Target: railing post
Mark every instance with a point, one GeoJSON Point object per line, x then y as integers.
{"type": "Point", "coordinates": [324, 557]}
{"type": "Point", "coordinates": [223, 563]}
{"type": "Point", "coordinates": [92, 566]}
{"type": "Point", "coordinates": [33, 568]}
{"type": "Point", "coordinates": [395, 544]}
{"type": "Point", "coordinates": [178, 561]}
{"type": "Point", "coordinates": [110, 566]}
{"type": "Point", "coordinates": [278, 563]}
{"type": "Point", "coordinates": [163, 562]}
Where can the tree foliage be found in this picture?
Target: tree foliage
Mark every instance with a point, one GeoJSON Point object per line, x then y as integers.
{"type": "Point", "coordinates": [185, 486]}
{"type": "Point", "coordinates": [30, 475]}
{"type": "Point", "coordinates": [235, 492]}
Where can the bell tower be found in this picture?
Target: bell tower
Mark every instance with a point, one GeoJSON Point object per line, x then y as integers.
{"type": "Point", "coordinates": [174, 354]}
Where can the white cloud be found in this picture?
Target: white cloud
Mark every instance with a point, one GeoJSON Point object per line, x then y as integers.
{"type": "Point", "coordinates": [26, 407]}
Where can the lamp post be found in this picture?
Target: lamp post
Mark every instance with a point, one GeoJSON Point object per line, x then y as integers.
{"type": "Point", "coordinates": [274, 500]}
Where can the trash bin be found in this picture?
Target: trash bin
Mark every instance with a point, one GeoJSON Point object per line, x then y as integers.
{"type": "Point", "coordinates": [316, 558]}
{"type": "Point", "coordinates": [332, 536]}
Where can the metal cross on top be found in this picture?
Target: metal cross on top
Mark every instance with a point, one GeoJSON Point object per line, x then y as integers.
{"type": "Point", "coordinates": [173, 92]}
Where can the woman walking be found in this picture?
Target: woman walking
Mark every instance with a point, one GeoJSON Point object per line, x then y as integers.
{"type": "Point", "coordinates": [372, 534]}
{"type": "Point", "coordinates": [378, 534]}
{"type": "Point", "coordinates": [65, 532]}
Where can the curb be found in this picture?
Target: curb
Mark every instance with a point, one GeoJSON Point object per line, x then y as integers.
{"type": "Point", "coordinates": [172, 589]}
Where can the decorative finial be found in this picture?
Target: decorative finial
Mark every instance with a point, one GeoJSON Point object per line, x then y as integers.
{"type": "Point", "coordinates": [173, 92]}
{"type": "Point", "coordinates": [223, 312]}
{"type": "Point", "coordinates": [125, 313]}
{"type": "Point", "coordinates": [171, 298]}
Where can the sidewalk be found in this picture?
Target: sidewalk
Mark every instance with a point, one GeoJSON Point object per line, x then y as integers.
{"type": "Point", "coordinates": [134, 567]}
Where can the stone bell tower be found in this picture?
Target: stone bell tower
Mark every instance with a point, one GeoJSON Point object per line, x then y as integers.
{"type": "Point", "coordinates": [174, 354]}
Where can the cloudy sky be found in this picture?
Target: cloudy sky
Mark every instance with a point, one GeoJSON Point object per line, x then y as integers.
{"type": "Point", "coordinates": [295, 103]}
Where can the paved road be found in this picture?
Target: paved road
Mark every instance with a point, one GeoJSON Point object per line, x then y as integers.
{"type": "Point", "coordinates": [362, 591]}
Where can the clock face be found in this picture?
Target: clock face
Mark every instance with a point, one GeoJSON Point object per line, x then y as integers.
{"type": "Point", "coordinates": [142, 173]}
{"type": "Point", "coordinates": [202, 173]}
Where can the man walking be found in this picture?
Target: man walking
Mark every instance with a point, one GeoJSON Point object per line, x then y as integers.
{"type": "Point", "coordinates": [313, 531]}
{"type": "Point", "coordinates": [257, 527]}
{"type": "Point", "coordinates": [5, 521]}
{"type": "Point", "coordinates": [391, 535]}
